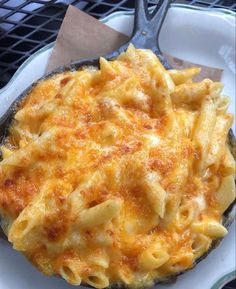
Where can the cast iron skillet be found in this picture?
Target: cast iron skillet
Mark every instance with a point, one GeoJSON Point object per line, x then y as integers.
{"type": "Point", "coordinates": [145, 34]}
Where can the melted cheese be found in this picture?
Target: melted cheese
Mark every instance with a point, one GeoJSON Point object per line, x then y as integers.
{"type": "Point", "coordinates": [110, 136]}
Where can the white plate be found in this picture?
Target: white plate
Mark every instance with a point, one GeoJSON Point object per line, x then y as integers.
{"type": "Point", "coordinates": [199, 35]}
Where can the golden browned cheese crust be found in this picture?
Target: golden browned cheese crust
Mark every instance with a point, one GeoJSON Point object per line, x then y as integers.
{"type": "Point", "coordinates": [116, 175]}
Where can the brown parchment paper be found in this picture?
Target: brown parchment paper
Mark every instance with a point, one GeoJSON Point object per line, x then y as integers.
{"type": "Point", "coordinates": [82, 36]}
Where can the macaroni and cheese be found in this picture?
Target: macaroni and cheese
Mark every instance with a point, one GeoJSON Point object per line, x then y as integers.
{"type": "Point", "coordinates": [118, 175]}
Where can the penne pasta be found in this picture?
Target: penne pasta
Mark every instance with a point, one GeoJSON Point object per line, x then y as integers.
{"type": "Point", "coordinates": [6, 152]}
{"type": "Point", "coordinates": [156, 195]}
{"type": "Point", "coordinates": [178, 262]}
{"type": "Point", "coordinates": [171, 209]}
{"type": "Point", "coordinates": [203, 132]}
{"type": "Point", "coordinates": [107, 71]}
{"type": "Point", "coordinates": [212, 229]}
{"type": "Point", "coordinates": [98, 280]}
{"type": "Point", "coordinates": [229, 165]}
{"type": "Point", "coordinates": [100, 214]}
{"type": "Point", "coordinates": [189, 93]}
{"type": "Point", "coordinates": [219, 135]}
{"type": "Point", "coordinates": [215, 89]}
{"type": "Point", "coordinates": [153, 258]}
{"type": "Point", "coordinates": [125, 274]}
{"type": "Point", "coordinates": [99, 258]}
{"type": "Point", "coordinates": [23, 225]}
{"type": "Point", "coordinates": [186, 214]}
{"type": "Point", "coordinates": [222, 104]}
{"type": "Point", "coordinates": [183, 75]}
{"type": "Point", "coordinates": [226, 193]}
{"type": "Point", "coordinates": [70, 271]}
{"type": "Point", "coordinates": [200, 245]}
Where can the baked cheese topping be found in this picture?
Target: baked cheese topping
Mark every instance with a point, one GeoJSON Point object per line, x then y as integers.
{"type": "Point", "coordinates": [117, 175]}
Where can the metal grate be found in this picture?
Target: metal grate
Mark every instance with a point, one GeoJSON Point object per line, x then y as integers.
{"type": "Point", "coordinates": [26, 26]}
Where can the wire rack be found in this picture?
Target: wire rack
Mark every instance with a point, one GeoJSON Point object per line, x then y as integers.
{"type": "Point", "coordinates": [26, 26]}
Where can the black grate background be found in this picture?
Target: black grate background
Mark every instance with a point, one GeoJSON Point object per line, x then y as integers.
{"type": "Point", "coordinates": [26, 26]}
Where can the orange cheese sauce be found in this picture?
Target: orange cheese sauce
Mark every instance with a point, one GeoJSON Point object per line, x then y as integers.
{"type": "Point", "coordinates": [85, 137]}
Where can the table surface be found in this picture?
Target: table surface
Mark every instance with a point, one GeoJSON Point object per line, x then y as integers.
{"type": "Point", "coordinates": [26, 26]}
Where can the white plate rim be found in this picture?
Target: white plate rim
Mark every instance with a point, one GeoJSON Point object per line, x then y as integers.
{"type": "Point", "coordinates": [219, 11]}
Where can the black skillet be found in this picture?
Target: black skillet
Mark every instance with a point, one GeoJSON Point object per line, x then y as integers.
{"type": "Point", "coordinates": [145, 34]}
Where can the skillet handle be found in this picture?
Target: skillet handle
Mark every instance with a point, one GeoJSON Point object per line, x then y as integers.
{"type": "Point", "coordinates": [146, 30]}
{"type": "Point", "coordinates": [147, 25]}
